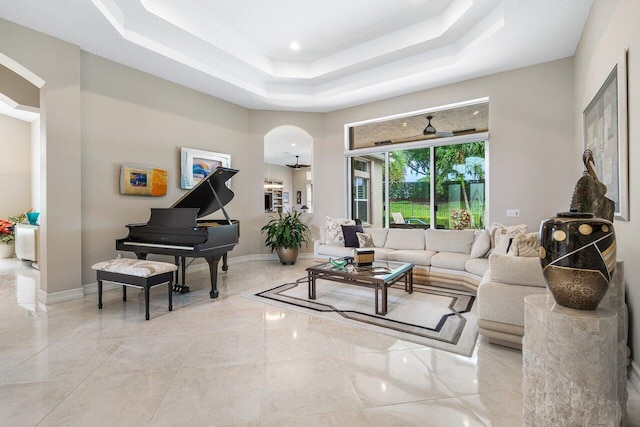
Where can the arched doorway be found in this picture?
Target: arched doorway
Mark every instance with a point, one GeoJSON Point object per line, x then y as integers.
{"type": "Point", "coordinates": [288, 169]}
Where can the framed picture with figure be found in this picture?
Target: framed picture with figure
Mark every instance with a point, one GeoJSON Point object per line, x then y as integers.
{"type": "Point", "coordinates": [605, 134]}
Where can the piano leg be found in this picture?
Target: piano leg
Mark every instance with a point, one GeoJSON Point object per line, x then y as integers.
{"type": "Point", "coordinates": [225, 266]}
{"type": "Point", "coordinates": [213, 271]}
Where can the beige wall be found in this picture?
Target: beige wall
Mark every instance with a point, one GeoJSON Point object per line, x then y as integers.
{"type": "Point", "coordinates": [611, 28]}
{"type": "Point", "coordinates": [132, 117]}
{"type": "Point", "coordinates": [15, 172]}
{"type": "Point", "coordinates": [36, 153]}
{"type": "Point", "coordinates": [57, 64]}
{"type": "Point", "coordinates": [19, 89]}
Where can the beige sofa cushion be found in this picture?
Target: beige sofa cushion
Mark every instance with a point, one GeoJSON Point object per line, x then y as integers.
{"type": "Point", "coordinates": [450, 260]}
{"type": "Point", "coordinates": [382, 254]}
{"type": "Point", "coordinates": [400, 238]}
{"type": "Point", "coordinates": [459, 241]}
{"type": "Point", "coordinates": [414, 256]}
{"type": "Point", "coordinates": [503, 303]}
{"type": "Point", "coordinates": [512, 270]}
{"type": "Point", "coordinates": [334, 251]}
{"type": "Point", "coordinates": [481, 243]}
{"type": "Point", "coordinates": [477, 266]}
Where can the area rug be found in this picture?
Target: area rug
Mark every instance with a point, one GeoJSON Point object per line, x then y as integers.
{"type": "Point", "coordinates": [431, 316]}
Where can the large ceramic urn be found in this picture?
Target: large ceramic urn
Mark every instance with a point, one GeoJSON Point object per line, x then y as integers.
{"type": "Point", "coordinates": [287, 255]}
{"type": "Point", "coordinates": [578, 256]}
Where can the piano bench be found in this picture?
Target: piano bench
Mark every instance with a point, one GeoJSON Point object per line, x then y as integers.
{"type": "Point", "coordinates": [136, 273]}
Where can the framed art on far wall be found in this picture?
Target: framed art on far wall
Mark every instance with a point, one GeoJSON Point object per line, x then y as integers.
{"type": "Point", "coordinates": [196, 164]}
{"type": "Point", "coordinates": [605, 134]}
{"type": "Point", "coordinates": [285, 197]}
{"type": "Point", "coordinates": [136, 180]}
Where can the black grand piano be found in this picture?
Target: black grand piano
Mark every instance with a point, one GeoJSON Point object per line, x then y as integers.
{"type": "Point", "coordinates": [177, 230]}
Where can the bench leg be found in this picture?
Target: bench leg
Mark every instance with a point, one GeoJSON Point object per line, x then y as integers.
{"type": "Point", "coordinates": [124, 293]}
{"type": "Point", "coordinates": [146, 301]}
{"type": "Point", "coordinates": [170, 297]}
{"type": "Point", "coordinates": [100, 294]}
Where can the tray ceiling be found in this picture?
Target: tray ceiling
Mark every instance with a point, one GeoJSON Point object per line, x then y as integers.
{"type": "Point", "coordinates": [349, 52]}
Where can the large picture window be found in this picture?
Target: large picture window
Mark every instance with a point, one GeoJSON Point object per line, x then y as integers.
{"type": "Point", "coordinates": [421, 169]}
{"type": "Point", "coordinates": [439, 186]}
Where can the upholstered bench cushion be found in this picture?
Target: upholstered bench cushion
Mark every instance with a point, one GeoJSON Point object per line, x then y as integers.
{"type": "Point", "coordinates": [135, 267]}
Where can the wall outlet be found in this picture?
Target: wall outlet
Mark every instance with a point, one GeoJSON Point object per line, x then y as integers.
{"type": "Point", "coordinates": [513, 212]}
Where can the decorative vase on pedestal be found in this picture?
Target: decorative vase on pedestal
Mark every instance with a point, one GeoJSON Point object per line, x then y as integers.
{"type": "Point", "coordinates": [7, 250]}
{"type": "Point", "coordinates": [578, 256]}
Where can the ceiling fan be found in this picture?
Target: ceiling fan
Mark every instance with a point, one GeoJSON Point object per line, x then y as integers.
{"type": "Point", "coordinates": [430, 130]}
{"type": "Point", "coordinates": [298, 165]}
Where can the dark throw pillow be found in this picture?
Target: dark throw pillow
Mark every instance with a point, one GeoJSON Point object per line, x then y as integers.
{"type": "Point", "coordinates": [350, 237]}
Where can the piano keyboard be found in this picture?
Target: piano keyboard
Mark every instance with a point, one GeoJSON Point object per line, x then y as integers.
{"type": "Point", "coordinates": [157, 245]}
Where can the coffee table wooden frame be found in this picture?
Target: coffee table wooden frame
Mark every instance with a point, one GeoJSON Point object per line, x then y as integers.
{"type": "Point", "coordinates": [364, 277]}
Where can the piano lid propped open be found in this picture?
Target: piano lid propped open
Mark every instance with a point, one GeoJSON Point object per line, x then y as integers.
{"type": "Point", "coordinates": [202, 197]}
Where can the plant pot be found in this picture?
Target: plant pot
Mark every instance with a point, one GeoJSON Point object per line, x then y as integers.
{"type": "Point", "coordinates": [7, 250]}
{"type": "Point", "coordinates": [578, 256]}
{"type": "Point", "coordinates": [287, 255]}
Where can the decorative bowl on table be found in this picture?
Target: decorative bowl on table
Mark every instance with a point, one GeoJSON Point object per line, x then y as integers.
{"type": "Point", "coordinates": [338, 262]}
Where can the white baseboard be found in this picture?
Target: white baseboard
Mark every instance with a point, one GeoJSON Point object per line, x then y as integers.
{"type": "Point", "coordinates": [55, 297]}
{"type": "Point", "coordinates": [633, 372]}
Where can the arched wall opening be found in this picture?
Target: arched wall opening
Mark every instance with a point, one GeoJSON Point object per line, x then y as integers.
{"type": "Point", "coordinates": [288, 169]}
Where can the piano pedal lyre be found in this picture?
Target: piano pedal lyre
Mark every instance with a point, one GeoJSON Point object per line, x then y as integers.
{"type": "Point", "coordinates": [183, 289]}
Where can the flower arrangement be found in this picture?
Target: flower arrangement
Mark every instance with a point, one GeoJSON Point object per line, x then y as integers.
{"type": "Point", "coordinates": [7, 227]}
{"type": "Point", "coordinates": [460, 219]}
{"type": "Point", "coordinates": [7, 233]}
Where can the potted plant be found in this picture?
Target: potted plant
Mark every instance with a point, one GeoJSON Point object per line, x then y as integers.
{"type": "Point", "coordinates": [285, 234]}
{"type": "Point", "coordinates": [7, 236]}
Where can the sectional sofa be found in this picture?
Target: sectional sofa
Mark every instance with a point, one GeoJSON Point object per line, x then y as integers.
{"type": "Point", "coordinates": [458, 259]}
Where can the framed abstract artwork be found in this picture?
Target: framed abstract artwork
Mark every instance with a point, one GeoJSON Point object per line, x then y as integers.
{"type": "Point", "coordinates": [197, 164]}
{"type": "Point", "coordinates": [285, 197]}
{"type": "Point", "coordinates": [137, 180]}
{"type": "Point", "coordinates": [605, 134]}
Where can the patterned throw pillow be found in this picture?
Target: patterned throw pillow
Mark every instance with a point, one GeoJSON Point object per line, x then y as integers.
{"type": "Point", "coordinates": [526, 245]}
{"type": "Point", "coordinates": [333, 230]}
{"type": "Point", "coordinates": [365, 240]}
{"type": "Point", "coordinates": [499, 232]}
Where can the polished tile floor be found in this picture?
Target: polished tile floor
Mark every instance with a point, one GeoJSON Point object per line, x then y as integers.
{"type": "Point", "coordinates": [233, 362]}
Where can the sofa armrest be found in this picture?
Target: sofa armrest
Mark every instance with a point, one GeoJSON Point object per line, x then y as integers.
{"type": "Point", "coordinates": [514, 270]}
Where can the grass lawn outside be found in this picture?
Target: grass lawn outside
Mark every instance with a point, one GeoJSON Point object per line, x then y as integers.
{"type": "Point", "coordinates": [421, 211]}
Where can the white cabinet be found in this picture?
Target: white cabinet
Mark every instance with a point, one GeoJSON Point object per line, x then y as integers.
{"type": "Point", "coordinates": [27, 242]}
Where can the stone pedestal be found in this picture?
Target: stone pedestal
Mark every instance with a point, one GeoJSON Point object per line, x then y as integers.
{"type": "Point", "coordinates": [570, 365]}
{"type": "Point", "coordinates": [614, 298]}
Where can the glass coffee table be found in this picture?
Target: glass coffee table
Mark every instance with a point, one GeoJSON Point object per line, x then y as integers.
{"type": "Point", "coordinates": [379, 276]}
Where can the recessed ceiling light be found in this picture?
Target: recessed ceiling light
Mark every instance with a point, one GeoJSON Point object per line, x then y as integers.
{"type": "Point", "coordinates": [294, 46]}
{"type": "Point", "coordinates": [475, 113]}
{"type": "Point", "coordinates": [293, 144]}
